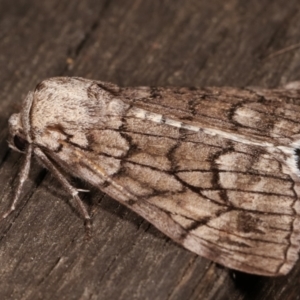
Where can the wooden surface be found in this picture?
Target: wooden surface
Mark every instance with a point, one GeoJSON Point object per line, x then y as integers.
{"type": "Point", "coordinates": [43, 250]}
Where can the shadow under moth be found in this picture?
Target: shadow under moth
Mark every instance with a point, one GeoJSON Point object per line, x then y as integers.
{"type": "Point", "coordinates": [216, 169]}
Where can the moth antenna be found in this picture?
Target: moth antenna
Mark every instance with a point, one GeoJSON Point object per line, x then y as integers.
{"type": "Point", "coordinates": [22, 178]}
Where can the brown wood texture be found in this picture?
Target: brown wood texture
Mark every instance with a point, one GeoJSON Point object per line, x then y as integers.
{"type": "Point", "coordinates": [44, 253]}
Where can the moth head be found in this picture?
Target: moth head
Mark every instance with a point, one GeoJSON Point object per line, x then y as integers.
{"type": "Point", "coordinates": [17, 139]}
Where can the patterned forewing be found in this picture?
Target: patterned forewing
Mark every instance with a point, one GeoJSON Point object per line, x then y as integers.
{"type": "Point", "coordinates": [226, 199]}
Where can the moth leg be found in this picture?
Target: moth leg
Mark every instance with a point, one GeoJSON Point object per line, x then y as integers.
{"type": "Point", "coordinates": [64, 182]}
{"type": "Point", "coordinates": [22, 178]}
{"type": "Point", "coordinates": [83, 190]}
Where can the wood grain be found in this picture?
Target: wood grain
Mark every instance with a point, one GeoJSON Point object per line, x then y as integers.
{"type": "Point", "coordinates": [43, 250]}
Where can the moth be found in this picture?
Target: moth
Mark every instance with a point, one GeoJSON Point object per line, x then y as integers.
{"type": "Point", "coordinates": [215, 169]}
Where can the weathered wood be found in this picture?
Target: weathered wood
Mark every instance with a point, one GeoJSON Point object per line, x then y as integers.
{"type": "Point", "coordinates": [43, 251]}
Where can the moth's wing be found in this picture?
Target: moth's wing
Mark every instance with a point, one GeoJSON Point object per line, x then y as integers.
{"type": "Point", "coordinates": [261, 114]}
{"type": "Point", "coordinates": [229, 201]}
{"type": "Point", "coordinates": [258, 182]}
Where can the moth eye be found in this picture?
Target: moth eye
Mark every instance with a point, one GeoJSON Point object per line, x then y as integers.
{"type": "Point", "coordinates": [20, 143]}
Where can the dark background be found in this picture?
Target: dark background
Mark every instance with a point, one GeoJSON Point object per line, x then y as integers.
{"type": "Point", "coordinates": [43, 251]}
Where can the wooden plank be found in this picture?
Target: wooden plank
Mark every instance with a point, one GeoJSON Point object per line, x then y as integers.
{"type": "Point", "coordinates": [43, 251]}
